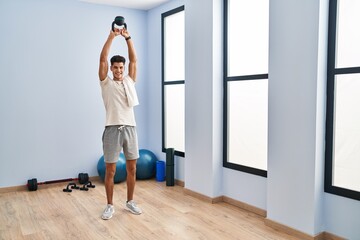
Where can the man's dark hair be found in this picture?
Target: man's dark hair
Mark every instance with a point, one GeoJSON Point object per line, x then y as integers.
{"type": "Point", "coordinates": [117, 58]}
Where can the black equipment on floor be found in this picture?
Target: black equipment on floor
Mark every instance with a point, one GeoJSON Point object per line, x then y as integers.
{"type": "Point", "coordinates": [33, 184]}
{"type": "Point", "coordinates": [170, 167]}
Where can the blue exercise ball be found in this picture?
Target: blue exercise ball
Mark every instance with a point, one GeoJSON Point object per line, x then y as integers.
{"type": "Point", "coordinates": [146, 164]}
{"type": "Point", "coordinates": [120, 174]}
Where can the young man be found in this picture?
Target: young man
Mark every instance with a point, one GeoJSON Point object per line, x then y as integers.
{"type": "Point", "coordinates": [119, 98]}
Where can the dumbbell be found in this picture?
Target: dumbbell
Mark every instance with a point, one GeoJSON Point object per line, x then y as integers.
{"type": "Point", "coordinates": [32, 184]}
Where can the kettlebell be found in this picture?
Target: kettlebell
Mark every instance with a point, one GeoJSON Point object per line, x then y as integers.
{"type": "Point", "coordinates": [119, 20]}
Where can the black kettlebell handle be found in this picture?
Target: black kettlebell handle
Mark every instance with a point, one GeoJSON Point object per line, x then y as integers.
{"type": "Point", "coordinates": [119, 20]}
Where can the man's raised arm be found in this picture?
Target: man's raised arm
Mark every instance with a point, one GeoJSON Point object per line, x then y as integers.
{"type": "Point", "coordinates": [104, 65]}
{"type": "Point", "coordinates": [132, 53]}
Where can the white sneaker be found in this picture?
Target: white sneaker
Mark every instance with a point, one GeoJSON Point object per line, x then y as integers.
{"type": "Point", "coordinates": [131, 206]}
{"type": "Point", "coordinates": [108, 212]}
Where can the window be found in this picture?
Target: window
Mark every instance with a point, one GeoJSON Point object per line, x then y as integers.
{"type": "Point", "coordinates": [342, 155]}
{"type": "Point", "coordinates": [173, 80]}
{"type": "Point", "coordinates": [246, 31]}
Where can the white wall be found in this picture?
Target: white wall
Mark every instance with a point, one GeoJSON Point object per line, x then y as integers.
{"type": "Point", "coordinates": [203, 91]}
{"type": "Point", "coordinates": [293, 82]}
{"type": "Point", "coordinates": [244, 187]}
{"type": "Point", "coordinates": [52, 114]}
{"type": "Point", "coordinates": [342, 216]}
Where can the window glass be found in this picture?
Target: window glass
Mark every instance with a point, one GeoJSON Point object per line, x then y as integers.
{"type": "Point", "coordinates": [346, 156]}
{"type": "Point", "coordinates": [348, 35]}
{"type": "Point", "coordinates": [342, 154]}
{"type": "Point", "coordinates": [248, 37]}
{"type": "Point", "coordinates": [174, 48]}
{"type": "Point", "coordinates": [173, 80]}
{"type": "Point", "coordinates": [175, 116]}
{"type": "Point", "coordinates": [248, 123]}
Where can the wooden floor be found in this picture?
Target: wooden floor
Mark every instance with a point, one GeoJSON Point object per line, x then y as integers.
{"type": "Point", "coordinates": [168, 213]}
